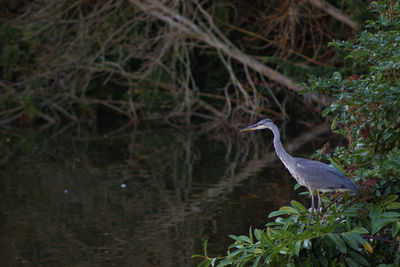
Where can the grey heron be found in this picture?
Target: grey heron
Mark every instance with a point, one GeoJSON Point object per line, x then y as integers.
{"type": "Point", "coordinates": [314, 175]}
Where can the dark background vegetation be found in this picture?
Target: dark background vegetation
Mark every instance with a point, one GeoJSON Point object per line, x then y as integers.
{"type": "Point", "coordinates": [209, 61]}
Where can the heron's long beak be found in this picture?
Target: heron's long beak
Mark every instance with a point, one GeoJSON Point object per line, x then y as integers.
{"type": "Point", "coordinates": [250, 128]}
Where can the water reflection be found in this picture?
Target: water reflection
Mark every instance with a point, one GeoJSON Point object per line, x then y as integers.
{"type": "Point", "coordinates": [136, 198]}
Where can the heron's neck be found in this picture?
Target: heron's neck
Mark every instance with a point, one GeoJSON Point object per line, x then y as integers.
{"type": "Point", "coordinates": [282, 154]}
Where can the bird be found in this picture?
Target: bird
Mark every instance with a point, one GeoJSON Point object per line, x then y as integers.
{"type": "Point", "coordinates": [314, 175]}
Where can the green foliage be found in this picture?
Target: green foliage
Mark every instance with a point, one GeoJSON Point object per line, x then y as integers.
{"type": "Point", "coordinates": [367, 113]}
{"type": "Point", "coordinates": [290, 241]}
{"type": "Point", "coordinates": [363, 231]}
{"type": "Point", "coordinates": [367, 110]}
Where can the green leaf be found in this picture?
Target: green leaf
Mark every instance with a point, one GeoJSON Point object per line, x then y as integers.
{"type": "Point", "coordinates": [251, 235]}
{"type": "Point", "coordinates": [352, 211]}
{"type": "Point", "coordinates": [341, 246]}
{"type": "Point", "coordinates": [359, 258]}
{"type": "Point", "coordinates": [297, 205]}
{"type": "Point", "coordinates": [380, 223]}
{"type": "Point", "coordinates": [395, 229]}
{"type": "Point", "coordinates": [224, 263]}
{"type": "Point", "coordinates": [204, 263]}
{"type": "Point", "coordinates": [257, 234]}
{"type": "Point", "coordinates": [255, 264]}
{"type": "Point", "coordinates": [393, 206]}
{"type": "Point", "coordinates": [286, 210]}
{"type": "Point", "coordinates": [236, 252]}
{"type": "Point", "coordinates": [326, 111]}
{"type": "Point", "coordinates": [289, 210]}
{"type": "Point", "coordinates": [357, 238]}
{"type": "Point", "coordinates": [351, 262]}
{"type": "Point", "coordinates": [336, 164]}
{"type": "Point", "coordinates": [296, 186]}
{"type": "Point", "coordinates": [391, 214]}
{"type": "Point", "coordinates": [350, 240]}
{"type": "Point", "coordinates": [360, 230]}
{"type": "Point", "coordinates": [389, 199]}
{"type": "Point", "coordinates": [205, 248]}
{"type": "Point", "coordinates": [297, 247]}
{"type": "Point", "coordinates": [286, 225]}
{"type": "Point", "coordinates": [263, 238]}
{"type": "Point", "coordinates": [375, 211]}
{"type": "Point", "coordinates": [244, 239]}
{"type": "Point", "coordinates": [276, 213]}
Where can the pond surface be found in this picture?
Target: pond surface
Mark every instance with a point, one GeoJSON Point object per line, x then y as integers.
{"type": "Point", "coordinates": [138, 197]}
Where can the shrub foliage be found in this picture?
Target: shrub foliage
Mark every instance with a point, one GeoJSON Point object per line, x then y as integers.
{"type": "Point", "coordinates": [361, 230]}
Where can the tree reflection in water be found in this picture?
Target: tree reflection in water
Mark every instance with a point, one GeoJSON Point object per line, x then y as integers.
{"type": "Point", "coordinates": [145, 197]}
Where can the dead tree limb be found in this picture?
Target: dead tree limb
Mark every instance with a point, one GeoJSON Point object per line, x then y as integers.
{"type": "Point", "coordinates": [213, 38]}
{"type": "Point", "coordinates": [334, 12]}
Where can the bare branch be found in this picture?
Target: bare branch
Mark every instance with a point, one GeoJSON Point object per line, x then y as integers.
{"type": "Point", "coordinates": [187, 26]}
{"type": "Point", "coordinates": [334, 12]}
{"type": "Point", "coordinates": [206, 34]}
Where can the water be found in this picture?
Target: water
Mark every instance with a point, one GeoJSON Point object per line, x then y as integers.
{"type": "Point", "coordinates": [147, 197]}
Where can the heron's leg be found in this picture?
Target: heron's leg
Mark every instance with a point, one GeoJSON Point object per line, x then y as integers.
{"type": "Point", "coordinates": [319, 205]}
{"type": "Point", "coordinates": [312, 206]}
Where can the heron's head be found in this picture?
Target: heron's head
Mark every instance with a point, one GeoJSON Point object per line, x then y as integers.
{"type": "Point", "coordinates": [262, 124]}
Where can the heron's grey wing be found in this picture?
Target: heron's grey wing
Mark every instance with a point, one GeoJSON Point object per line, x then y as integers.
{"type": "Point", "coordinates": [318, 175]}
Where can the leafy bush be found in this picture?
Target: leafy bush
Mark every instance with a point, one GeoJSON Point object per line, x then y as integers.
{"type": "Point", "coordinates": [364, 230]}
{"type": "Point", "coordinates": [290, 241]}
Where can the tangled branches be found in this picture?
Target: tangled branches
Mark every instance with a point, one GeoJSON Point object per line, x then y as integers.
{"type": "Point", "coordinates": [70, 60]}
